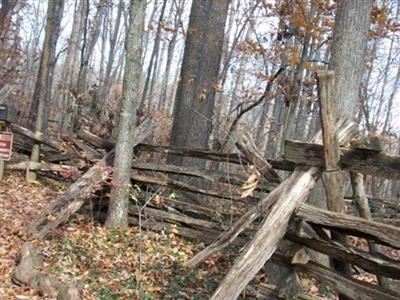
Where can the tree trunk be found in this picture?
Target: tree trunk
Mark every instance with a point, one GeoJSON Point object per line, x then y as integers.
{"type": "Point", "coordinates": [294, 94]}
{"type": "Point", "coordinates": [348, 49]}
{"type": "Point", "coordinates": [119, 198]}
{"type": "Point", "coordinates": [43, 83]}
{"type": "Point", "coordinates": [157, 62]}
{"type": "Point", "coordinates": [105, 90]}
{"type": "Point", "coordinates": [194, 104]}
{"type": "Point", "coordinates": [350, 38]}
{"type": "Point", "coordinates": [275, 126]}
{"type": "Point", "coordinates": [86, 103]}
{"type": "Point", "coordinates": [170, 53]}
{"type": "Point", "coordinates": [153, 59]}
{"type": "Point", "coordinates": [70, 68]}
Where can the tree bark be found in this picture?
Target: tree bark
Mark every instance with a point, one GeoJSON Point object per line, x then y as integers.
{"type": "Point", "coordinates": [70, 69]}
{"type": "Point", "coordinates": [153, 60]}
{"type": "Point", "coordinates": [44, 78]}
{"type": "Point", "coordinates": [107, 77]}
{"type": "Point", "coordinates": [85, 102]}
{"type": "Point", "coordinates": [119, 198]}
{"type": "Point", "coordinates": [352, 23]}
{"type": "Point", "coordinates": [170, 53]}
{"type": "Point", "coordinates": [194, 104]}
{"type": "Point", "coordinates": [294, 93]}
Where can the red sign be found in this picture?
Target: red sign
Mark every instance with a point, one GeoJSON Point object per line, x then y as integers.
{"type": "Point", "coordinates": [6, 139]}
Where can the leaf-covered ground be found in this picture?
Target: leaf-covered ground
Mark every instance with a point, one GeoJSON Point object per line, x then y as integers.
{"type": "Point", "coordinates": [107, 265]}
{"type": "Point", "coordinates": [130, 264]}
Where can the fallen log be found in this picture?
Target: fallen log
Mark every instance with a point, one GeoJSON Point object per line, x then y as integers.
{"type": "Point", "coordinates": [253, 213]}
{"type": "Point", "coordinates": [328, 276]}
{"type": "Point", "coordinates": [147, 223]}
{"type": "Point", "coordinates": [190, 208]}
{"type": "Point", "coordinates": [331, 278]}
{"type": "Point", "coordinates": [236, 229]}
{"type": "Point", "coordinates": [352, 255]}
{"type": "Point", "coordinates": [376, 264]}
{"type": "Point", "coordinates": [373, 263]}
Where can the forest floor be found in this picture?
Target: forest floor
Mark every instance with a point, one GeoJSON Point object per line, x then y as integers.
{"type": "Point", "coordinates": [106, 265]}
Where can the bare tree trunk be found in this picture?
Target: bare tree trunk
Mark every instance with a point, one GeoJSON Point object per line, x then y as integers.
{"type": "Point", "coordinates": [237, 88]}
{"type": "Point", "coordinates": [153, 59]}
{"type": "Point", "coordinates": [70, 69]}
{"type": "Point", "coordinates": [227, 55]}
{"type": "Point", "coordinates": [147, 28]}
{"type": "Point", "coordinates": [315, 121]}
{"type": "Point", "coordinates": [156, 80]}
{"type": "Point", "coordinates": [260, 137]}
{"type": "Point", "coordinates": [348, 48]}
{"type": "Point", "coordinates": [170, 53]}
{"type": "Point", "coordinates": [194, 105]}
{"type": "Point", "coordinates": [105, 90]}
{"type": "Point", "coordinates": [275, 128]}
{"type": "Point", "coordinates": [104, 34]}
{"type": "Point", "coordinates": [173, 91]}
{"type": "Point", "coordinates": [118, 210]}
{"type": "Point", "coordinates": [86, 103]}
{"type": "Point", "coordinates": [303, 111]}
{"type": "Point", "coordinates": [43, 83]}
{"type": "Point", "coordinates": [386, 126]}
{"type": "Point", "coordinates": [157, 61]}
{"type": "Point", "coordinates": [352, 23]}
{"type": "Point", "coordinates": [294, 93]}
{"type": "Point", "coordinates": [365, 84]}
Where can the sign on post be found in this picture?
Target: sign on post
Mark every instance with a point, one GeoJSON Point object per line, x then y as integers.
{"type": "Point", "coordinates": [6, 139]}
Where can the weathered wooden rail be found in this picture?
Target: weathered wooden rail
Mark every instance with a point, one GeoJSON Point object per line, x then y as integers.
{"type": "Point", "coordinates": [224, 212]}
